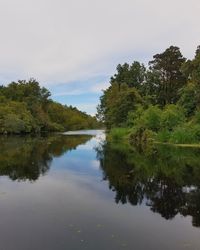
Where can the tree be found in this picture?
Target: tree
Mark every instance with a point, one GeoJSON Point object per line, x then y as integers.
{"type": "Point", "coordinates": [190, 98]}
{"type": "Point", "coordinates": [133, 75]}
{"type": "Point", "coordinates": [166, 67]}
{"type": "Point", "coordinates": [116, 103]}
{"type": "Point", "coordinates": [190, 93]}
{"type": "Point", "coordinates": [26, 107]}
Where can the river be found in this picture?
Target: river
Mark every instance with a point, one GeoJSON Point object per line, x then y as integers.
{"type": "Point", "coordinates": [76, 191]}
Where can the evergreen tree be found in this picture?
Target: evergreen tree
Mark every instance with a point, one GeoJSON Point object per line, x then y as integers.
{"type": "Point", "coordinates": [166, 69]}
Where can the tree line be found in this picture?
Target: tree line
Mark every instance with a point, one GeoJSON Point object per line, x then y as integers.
{"type": "Point", "coordinates": [161, 100]}
{"type": "Point", "coordinates": [25, 107]}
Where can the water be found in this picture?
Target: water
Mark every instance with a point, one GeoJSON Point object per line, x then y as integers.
{"type": "Point", "coordinates": [76, 191]}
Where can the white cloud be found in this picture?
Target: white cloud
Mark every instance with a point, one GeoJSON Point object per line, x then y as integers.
{"type": "Point", "coordinates": [90, 88]}
{"type": "Point", "coordinates": [65, 40]}
{"type": "Point", "coordinates": [95, 164]}
{"type": "Point", "coordinates": [90, 107]}
{"type": "Point", "coordinates": [61, 41]}
{"type": "Point", "coordinates": [98, 88]}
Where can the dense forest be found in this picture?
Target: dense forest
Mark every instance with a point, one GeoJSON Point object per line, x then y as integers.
{"type": "Point", "coordinates": [159, 102]}
{"type": "Point", "coordinates": [25, 107]}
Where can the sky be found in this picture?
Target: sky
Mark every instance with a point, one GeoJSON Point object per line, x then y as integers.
{"type": "Point", "coordinates": [72, 47]}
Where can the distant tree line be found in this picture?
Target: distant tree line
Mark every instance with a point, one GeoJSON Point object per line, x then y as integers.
{"type": "Point", "coordinates": [25, 107]}
{"type": "Point", "coordinates": [161, 99]}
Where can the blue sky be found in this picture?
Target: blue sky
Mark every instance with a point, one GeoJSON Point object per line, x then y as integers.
{"type": "Point", "coordinates": [82, 94]}
{"type": "Point", "coordinates": [72, 47]}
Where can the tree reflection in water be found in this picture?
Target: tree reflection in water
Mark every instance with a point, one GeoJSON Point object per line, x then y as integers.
{"type": "Point", "coordinates": [26, 158]}
{"type": "Point", "coordinates": [165, 178]}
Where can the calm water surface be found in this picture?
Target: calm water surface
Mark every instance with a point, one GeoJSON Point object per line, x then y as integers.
{"type": "Point", "coordinates": [76, 191]}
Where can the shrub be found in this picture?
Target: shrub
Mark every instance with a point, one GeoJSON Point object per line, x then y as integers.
{"type": "Point", "coordinates": [172, 116]}
{"type": "Point", "coordinates": [163, 135]}
{"type": "Point", "coordinates": [189, 98]}
{"type": "Point", "coordinates": [55, 127]}
{"type": "Point", "coordinates": [117, 134]}
{"type": "Point", "coordinates": [196, 117]}
{"type": "Point", "coordinates": [181, 135]}
{"type": "Point", "coordinates": [151, 118]}
{"type": "Point", "coordinates": [196, 131]}
{"type": "Point", "coordinates": [134, 116]}
{"type": "Point", "coordinates": [141, 136]}
{"type": "Point", "coordinates": [12, 124]}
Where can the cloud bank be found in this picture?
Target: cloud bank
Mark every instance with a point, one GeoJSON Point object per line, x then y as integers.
{"type": "Point", "coordinates": [77, 44]}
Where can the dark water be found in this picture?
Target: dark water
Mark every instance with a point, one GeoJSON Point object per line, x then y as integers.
{"type": "Point", "coordinates": [80, 192]}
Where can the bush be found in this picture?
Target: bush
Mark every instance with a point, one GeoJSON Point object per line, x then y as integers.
{"type": "Point", "coordinates": [181, 136]}
{"type": "Point", "coordinates": [151, 118]}
{"type": "Point", "coordinates": [196, 131]}
{"type": "Point", "coordinates": [117, 134]}
{"type": "Point", "coordinates": [12, 124]}
{"type": "Point", "coordinates": [163, 135]}
{"type": "Point", "coordinates": [55, 127]}
{"type": "Point", "coordinates": [172, 116]}
{"type": "Point", "coordinates": [141, 136]}
{"type": "Point", "coordinates": [196, 117]}
{"type": "Point", "coordinates": [189, 98]}
{"type": "Point", "coordinates": [134, 116]}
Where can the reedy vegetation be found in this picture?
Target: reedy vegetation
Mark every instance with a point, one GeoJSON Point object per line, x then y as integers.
{"type": "Point", "coordinates": [160, 102]}
{"type": "Point", "coordinates": [25, 107]}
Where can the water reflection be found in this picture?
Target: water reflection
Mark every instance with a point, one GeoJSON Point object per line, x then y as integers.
{"type": "Point", "coordinates": [26, 158]}
{"type": "Point", "coordinates": [167, 179]}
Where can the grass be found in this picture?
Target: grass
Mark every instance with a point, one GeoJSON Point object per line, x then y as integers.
{"type": "Point", "coordinates": [117, 134]}
{"type": "Point", "coordinates": [184, 145]}
{"type": "Point", "coordinates": [182, 136]}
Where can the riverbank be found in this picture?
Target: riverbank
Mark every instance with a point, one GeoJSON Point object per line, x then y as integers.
{"type": "Point", "coordinates": [133, 137]}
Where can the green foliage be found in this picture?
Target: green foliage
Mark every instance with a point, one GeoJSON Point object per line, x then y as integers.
{"type": "Point", "coordinates": [190, 98]}
{"type": "Point", "coordinates": [117, 102]}
{"type": "Point", "coordinates": [191, 68]}
{"type": "Point", "coordinates": [28, 157]}
{"type": "Point", "coordinates": [15, 118]}
{"type": "Point", "coordinates": [13, 124]}
{"type": "Point", "coordinates": [133, 75]}
{"type": "Point", "coordinates": [172, 116]}
{"type": "Point", "coordinates": [134, 116]}
{"type": "Point", "coordinates": [162, 174]}
{"type": "Point", "coordinates": [196, 117]}
{"type": "Point", "coordinates": [141, 137]}
{"type": "Point", "coordinates": [163, 135]}
{"type": "Point", "coordinates": [182, 135]}
{"type": "Point", "coordinates": [117, 134]}
{"type": "Point", "coordinates": [25, 107]}
{"type": "Point", "coordinates": [188, 133]}
{"type": "Point", "coordinates": [163, 98]}
{"type": "Point", "coordinates": [150, 118]}
{"type": "Point", "coordinates": [169, 78]}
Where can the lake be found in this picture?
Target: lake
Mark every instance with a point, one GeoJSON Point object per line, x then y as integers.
{"type": "Point", "coordinates": [77, 191]}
